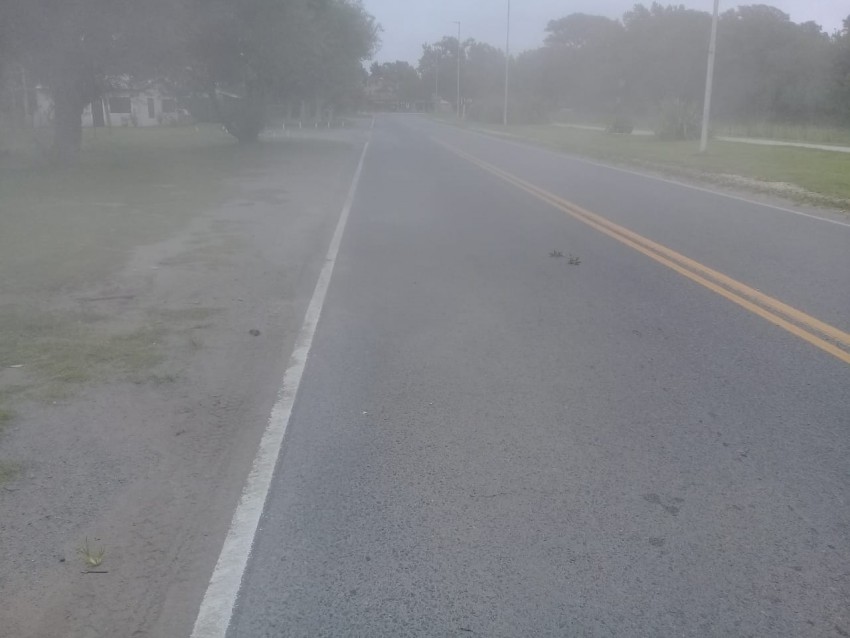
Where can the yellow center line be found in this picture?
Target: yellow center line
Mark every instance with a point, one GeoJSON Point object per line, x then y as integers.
{"type": "Point", "coordinates": [821, 335]}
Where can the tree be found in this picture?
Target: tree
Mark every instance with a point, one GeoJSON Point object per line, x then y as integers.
{"type": "Point", "coordinates": [440, 59]}
{"type": "Point", "coordinates": [664, 56]}
{"type": "Point", "coordinates": [266, 50]}
{"type": "Point", "coordinates": [402, 79]}
{"type": "Point", "coordinates": [484, 75]}
{"type": "Point", "coordinates": [74, 46]}
{"type": "Point", "coordinates": [582, 61]}
{"type": "Point", "coordinates": [769, 68]}
{"type": "Point", "coordinates": [840, 74]}
{"type": "Point", "coordinates": [260, 49]}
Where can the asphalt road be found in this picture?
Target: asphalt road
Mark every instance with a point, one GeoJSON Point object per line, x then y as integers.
{"type": "Point", "coordinates": [491, 441]}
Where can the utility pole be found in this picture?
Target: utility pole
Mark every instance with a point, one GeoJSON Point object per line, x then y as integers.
{"type": "Point", "coordinates": [458, 68]}
{"type": "Point", "coordinates": [709, 79]}
{"type": "Point", "coordinates": [437, 82]}
{"type": "Point", "coordinates": [507, 62]}
{"type": "Point", "coordinates": [25, 89]}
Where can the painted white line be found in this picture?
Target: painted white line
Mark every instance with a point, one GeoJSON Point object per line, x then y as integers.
{"type": "Point", "coordinates": [702, 189]}
{"type": "Point", "coordinates": [217, 606]}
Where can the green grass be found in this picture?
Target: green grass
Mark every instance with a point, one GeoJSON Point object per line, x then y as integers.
{"type": "Point", "coordinates": [787, 132]}
{"type": "Point", "coordinates": [6, 415]}
{"type": "Point", "coordinates": [131, 187]}
{"type": "Point", "coordinates": [823, 175]}
{"type": "Point", "coordinates": [8, 471]}
{"type": "Point", "coordinates": [65, 229]}
{"type": "Point", "coordinates": [57, 350]}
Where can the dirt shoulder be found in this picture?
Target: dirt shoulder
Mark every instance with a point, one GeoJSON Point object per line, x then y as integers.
{"type": "Point", "coordinates": [137, 384]}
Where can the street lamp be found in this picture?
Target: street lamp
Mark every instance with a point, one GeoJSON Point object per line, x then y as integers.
{"type": "Point", "coordinates": [709, 79]}
{"type": "Point", "coordinates": [458, 66]}
{"type": "Point", "coordinates": [437, 81]}
{"type": "Point", "coordinates": [507, 62]}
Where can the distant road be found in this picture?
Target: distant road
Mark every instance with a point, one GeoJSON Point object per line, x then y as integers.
{"type": "Point", "coordinates": [551, 398]}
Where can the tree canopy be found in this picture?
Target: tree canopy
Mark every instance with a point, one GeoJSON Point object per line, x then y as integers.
{"type": "Point", "coordinates": [258, 49]}
{"type": "Point", "coordinates": [768, 67]}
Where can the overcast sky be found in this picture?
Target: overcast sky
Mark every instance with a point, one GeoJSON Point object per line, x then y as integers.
{"type": "Point", "coordinates": [410, 23]}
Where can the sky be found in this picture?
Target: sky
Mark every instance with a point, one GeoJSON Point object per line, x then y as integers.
{"type": "Point", "coordinates": [408, 24]}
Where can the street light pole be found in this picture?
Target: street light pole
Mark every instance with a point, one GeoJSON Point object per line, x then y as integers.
{"type": "Point", "coordinates": [437, 82]}
{"type": "Point", "coordinates": [709, 79]}
{"type": "Point", "coordinates": [507, 62]}
{"type": "Point", "coordinates": [458, 68]}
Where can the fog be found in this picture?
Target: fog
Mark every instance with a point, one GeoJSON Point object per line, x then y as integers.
{"type": "Point", "coordinates": [317, 319]}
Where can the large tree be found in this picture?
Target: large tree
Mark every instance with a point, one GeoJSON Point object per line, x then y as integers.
{"type": "Point", "coordinates": [438, 66]}
{"type": "Point", "coordinates": [74, 46]}
{"type": "Point", "coordinates": [840, 89]}
{"type": "Point", "coordinates": [265, 50]}
{"type": "Point", "coordinates": [402, 79]}
{"type": "Point", "coordinates": [258, 49]}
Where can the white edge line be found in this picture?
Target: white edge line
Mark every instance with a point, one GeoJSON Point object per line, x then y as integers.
{"type": "Point", "coordinates": [219, 600]}
{"type": "Point", "coordinates": [665, 180]}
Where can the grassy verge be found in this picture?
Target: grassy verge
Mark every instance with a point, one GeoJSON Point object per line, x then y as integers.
{"type": "Point", "coordinates": [810, 176]}
{"type": "Point", "coordinates": [65, 229]}
{"type": "Point", "coordinates": [8, 471]}
{"type": "Point", "coordinates": [787, 132]}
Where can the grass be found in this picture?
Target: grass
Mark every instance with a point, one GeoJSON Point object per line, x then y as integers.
{"type": "Point", "coordinates": [6, 415]}
{"type": "Point", "coordinates": [787, 132]}
{"type": "Point", "coordinates": [91, 557]}
{"type": "Point", "coordinates": [819, 176]}
{"type": "Point", "coordinates": [131, 187]}
{"type": "Point", "coordinates": [62, 349]}
{"type": "Point", "coordinates": [8, 471]}
{"type": "Point", "coordinates": [65, 229]}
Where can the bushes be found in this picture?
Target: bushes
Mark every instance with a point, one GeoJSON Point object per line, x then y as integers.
{"type": "Point", "coordinates": [678, 120]}
{"type": "Point", "coordinates": [521, 110]}
{"type": "Point", "coordinates": [621, 125]}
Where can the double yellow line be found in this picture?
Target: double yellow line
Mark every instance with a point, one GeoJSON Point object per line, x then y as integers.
{"type": "Point", "coordinates": [821, 335]}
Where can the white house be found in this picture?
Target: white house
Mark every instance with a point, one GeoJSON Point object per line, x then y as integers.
{"type": "Point", "coordinates": [133, 106]}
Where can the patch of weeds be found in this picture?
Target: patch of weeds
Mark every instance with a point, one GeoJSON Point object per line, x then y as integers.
{"type": "Point", "coordinates": [62, 350]}
{"type": "Point", "coordinates": [6, 415]}
{"type": "Point", "coordinates": [574, 261]}
{"type": "Point", "coordinates": [556, 254]}
{"type": "Point", "coordinates": [162, 379]}
{"type": "Point", "coordinates": [8, 471]}
{"type": "Point", "coordinates": [91, 557]}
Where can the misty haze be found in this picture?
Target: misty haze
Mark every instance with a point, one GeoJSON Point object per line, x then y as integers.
{"type": "Point", "coordinates": [402, 318]}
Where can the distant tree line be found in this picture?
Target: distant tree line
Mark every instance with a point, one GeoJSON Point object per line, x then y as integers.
{"type": "Point", "coordinates": [261, 50]}
{"type": "Point", "coordinates": [650, 66]}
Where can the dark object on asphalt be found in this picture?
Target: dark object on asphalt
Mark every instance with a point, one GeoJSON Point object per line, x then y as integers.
{"type": "Point", "coordinates": [255, 333]}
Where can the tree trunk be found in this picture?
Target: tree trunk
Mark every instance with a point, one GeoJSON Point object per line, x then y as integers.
{"type": "Point", "coordinates": [68, 105]}
{"type": "Point", "coordinates": [244, 121]}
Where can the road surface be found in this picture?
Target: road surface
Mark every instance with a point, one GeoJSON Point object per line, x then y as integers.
{"type": "Point", "coordinates": [490, 440]}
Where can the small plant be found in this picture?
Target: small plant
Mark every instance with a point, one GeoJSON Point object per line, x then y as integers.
{"type": "Point", "coordinates": [92, 558]}
{"type": "Point", "coordinates": [574, 261]}
{"type": "Point", "coordinates": [8, 471]}
{"type": "Point", "coordinates": [556, 254]}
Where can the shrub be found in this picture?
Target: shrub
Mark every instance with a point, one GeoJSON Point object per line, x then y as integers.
{"type": "Point", "coordinates": [621, 125]}
{"type": "Point", "coordinates": [522, 110]}
{"type": "Point", "coordinates": [678, 120]}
